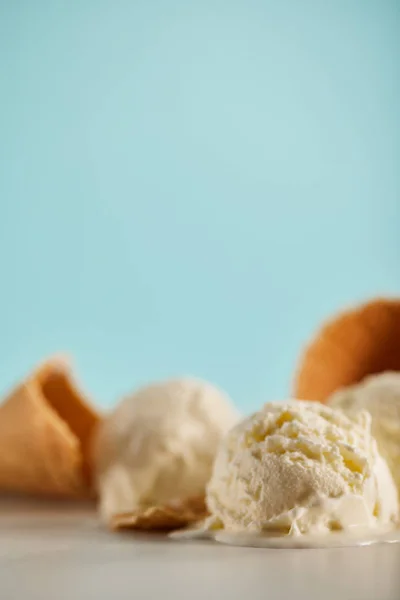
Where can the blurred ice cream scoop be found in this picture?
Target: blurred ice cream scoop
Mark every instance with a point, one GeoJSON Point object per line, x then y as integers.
{"type": "Point", "coordinates": [300, 467]}
{"type": "Point", "coordinates": [380, 396]}
{"type": "Point", "coordinates": [159, 445]}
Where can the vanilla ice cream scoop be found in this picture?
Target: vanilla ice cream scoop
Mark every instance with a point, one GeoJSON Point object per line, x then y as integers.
{"type": "Point", "coordinates": [159, 445]}
{"type": "Point", "coordinates": [380, 396]}
{"type": "Point", "coordinates": [300, 467]}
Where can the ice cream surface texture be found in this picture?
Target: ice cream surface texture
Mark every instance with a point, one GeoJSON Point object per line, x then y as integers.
{"type": "Point", "coordinates": [300, 467]}
{"type": "Point", "coordinates": [380, 396]}
{"type": "Point", "coordinates": [159, 445]}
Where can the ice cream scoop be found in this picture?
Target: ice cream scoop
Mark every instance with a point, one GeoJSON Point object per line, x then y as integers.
{"type": "Point", "coordinates": [159, 445]}
{"type": "Point", "coordinates": [300, 467]}
{"type": "Point", "coordinates": [380, 396]}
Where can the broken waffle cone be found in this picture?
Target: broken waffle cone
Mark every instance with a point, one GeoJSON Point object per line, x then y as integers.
{"type": "Point", "coordinates": [354, 344]}
{"type": "Point", "coordinates": [162, 518]}
{"type": "Point", "coordinates": [45, 431]}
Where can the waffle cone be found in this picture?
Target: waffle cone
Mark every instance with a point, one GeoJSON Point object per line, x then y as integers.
{"type": "Point", "coordinates": [352, 345]}
{"type": "Point", "coordinates": [162, 518]}
{"type": "Point", "coordinates": [45, 430]}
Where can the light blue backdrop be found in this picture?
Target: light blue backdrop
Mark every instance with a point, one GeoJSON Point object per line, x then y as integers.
{"type": "Point", "coordinates": [189, 187]}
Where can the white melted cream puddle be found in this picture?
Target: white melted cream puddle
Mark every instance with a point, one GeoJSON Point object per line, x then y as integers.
{"type": "Point", "coordinates": [365, 537]}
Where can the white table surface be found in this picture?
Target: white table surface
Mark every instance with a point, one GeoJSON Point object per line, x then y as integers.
{"type": "Point", "coordinates": [59, 552]}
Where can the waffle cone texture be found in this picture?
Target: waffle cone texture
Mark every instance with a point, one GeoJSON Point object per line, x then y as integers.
{"type": "Point", "coordinates": [46, 426]}
{"type": "Point", "coordinates": [352, 345]}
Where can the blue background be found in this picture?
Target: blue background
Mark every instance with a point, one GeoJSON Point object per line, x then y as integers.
{"type": "Point", "coordinates": [190, 187]}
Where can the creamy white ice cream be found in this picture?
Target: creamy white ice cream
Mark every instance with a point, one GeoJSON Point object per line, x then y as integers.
{"type": "Point", "coordinates": [300, 467]}
{"type": "Point", "coordinates": [380, 396]}
{"type": "Point", "coordinates": [158, 446]}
